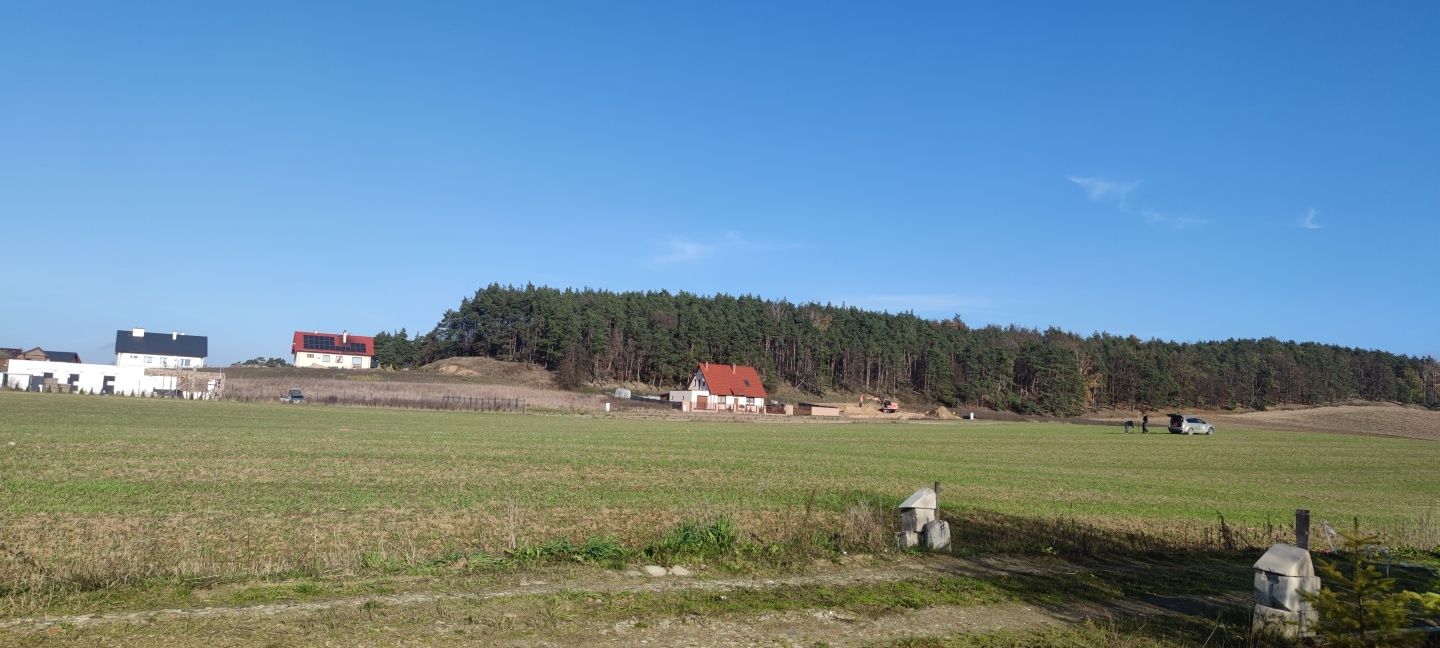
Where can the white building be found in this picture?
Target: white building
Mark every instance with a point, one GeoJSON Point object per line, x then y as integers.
{"type": "Point", "coordinates": [722, 387]}
{"type": "Point", "coordinates": [332, 350]}
{"type": "Point", "coordinates": [37, 375]}
{"type": "Point", "coordinates": [137, 348]}
{"type": "Point", "coordinates": [76, 377]}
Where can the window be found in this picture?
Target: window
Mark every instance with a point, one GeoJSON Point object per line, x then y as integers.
{"type": "Point", "coordinates": [149, 359]}
{"type": "Point", "coordinates": [355, 361]}
{"type": "Point", "coordinates": [309, 355]}
{"type": "Point", "coordinates": [325, 358]}
{"type": "Point", "coordinates": [185, 362]}
{"type": "Point", "coordinates": [340, 359]}
{"type": "Point", "coordinates": [134, 357]}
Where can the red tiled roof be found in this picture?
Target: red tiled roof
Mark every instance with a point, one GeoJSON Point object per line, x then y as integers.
{"type": "Point", "coordinates": [732, 380]}
{"type": "Point", "coordinates": [313, 342]}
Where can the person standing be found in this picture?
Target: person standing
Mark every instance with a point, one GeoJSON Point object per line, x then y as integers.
{"type": "Point", "coordinates": [1144, 423]}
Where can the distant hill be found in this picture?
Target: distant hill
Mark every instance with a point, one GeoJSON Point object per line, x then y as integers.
{"type": "Point", "coordinates": [657, 338]}
{"type": "Point", "coordinates": [496, 372]}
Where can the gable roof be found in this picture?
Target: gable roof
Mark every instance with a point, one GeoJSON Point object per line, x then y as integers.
{"type": "Point", "coordinates": [732, 380]}
{"type": "Point", "coordinates": [340, 343]}
{"type": "Point", "coordinates": [52, 356]}
{"type": "Point", "coordinates": [167, 344]}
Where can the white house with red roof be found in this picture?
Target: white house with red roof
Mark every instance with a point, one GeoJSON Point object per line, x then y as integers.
{"type": "Point", "coordinates": [722, 387]}
{"type": "Point", "coordinates": [332, 350]}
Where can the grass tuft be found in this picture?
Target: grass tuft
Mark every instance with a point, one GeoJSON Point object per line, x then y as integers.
{"type": "Point", "coordinates": [692, 539]}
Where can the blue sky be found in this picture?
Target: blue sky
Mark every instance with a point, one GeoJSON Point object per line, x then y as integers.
{"type": "Point", "coordinates": [1185, 171]}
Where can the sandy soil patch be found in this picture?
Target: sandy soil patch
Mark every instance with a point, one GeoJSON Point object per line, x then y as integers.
{"type": "Point", "coordinates": [1382, 419]}
{"type": "Point", "coordinates": [1378, 419]}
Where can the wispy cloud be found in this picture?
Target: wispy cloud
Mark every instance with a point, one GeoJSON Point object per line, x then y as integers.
{"type": "Point", "coordinates": [1308, 220]}
{"type": "Point", "coordinates": [676, 250]}
{"type": "Point", "coordinates": [679, 250]}
{"type": "Point", "coordinates": [1118, 192]}
{"type": "Point", "coordinates": [1176, 221]}
{"type": "Point", "coordinates": [1102, 190]}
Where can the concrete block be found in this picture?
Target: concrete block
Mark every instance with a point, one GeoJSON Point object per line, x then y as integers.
{"type": "Point", "coordinates": [914, 520]}
{"type": "Point", "coordinates": [1282, 575]}
{"type": "Point", "coordinates": [1283, 623]}
{"type": "Point", "coordinates": [906, 539]}
{"type": "Point", "coordinates": [920, 499]}
{"type": "Point", "coordinates": [936, 535]}
{"type": "Point", "coordinates": [655, 570]}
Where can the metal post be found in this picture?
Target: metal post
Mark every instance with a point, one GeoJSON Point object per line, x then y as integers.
{"type": "Point", "coordinates": [1302, 528]}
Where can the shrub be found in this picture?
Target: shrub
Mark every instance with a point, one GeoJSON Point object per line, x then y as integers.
{"type": "Point", "coordinates": [1361, 608]}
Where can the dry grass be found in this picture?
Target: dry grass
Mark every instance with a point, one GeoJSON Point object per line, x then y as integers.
{"type": "Point", "coordinates": [1384, 419]}
{"type": "Point", "coordinates": [1361, 417]}
{"type": "Point", "coordinates": [392, 389]}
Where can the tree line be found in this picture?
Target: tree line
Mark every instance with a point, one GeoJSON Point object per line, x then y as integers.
{"type": "Point", "coordinates": [657, 338]}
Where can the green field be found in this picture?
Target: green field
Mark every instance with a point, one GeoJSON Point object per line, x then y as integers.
{"type": "Point", "coordinates": [101, 490]}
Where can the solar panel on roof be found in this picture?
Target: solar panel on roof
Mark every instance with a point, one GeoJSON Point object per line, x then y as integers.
{"type": "Point", "coordinates": [327, 343]}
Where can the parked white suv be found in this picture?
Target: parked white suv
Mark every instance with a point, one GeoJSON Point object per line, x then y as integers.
{"type": "Point", "coordinates": [1181, 424]}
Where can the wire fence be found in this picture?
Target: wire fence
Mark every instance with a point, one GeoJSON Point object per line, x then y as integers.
{"type": "Point", "coordinates": [482, 404]}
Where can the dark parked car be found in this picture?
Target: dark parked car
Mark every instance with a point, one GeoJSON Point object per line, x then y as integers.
{"type": "Point", "coordinates": [294, 396]}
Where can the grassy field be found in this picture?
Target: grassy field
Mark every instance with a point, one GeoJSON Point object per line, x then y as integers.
{"type": "Point", "coordinates": [98, 491]}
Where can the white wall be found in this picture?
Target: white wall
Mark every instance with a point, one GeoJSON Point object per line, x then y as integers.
{"type": "Point", "coordinates": [717, 402]}
{"type": "Point", "coordinates": [157, 361]}
{"type": "Point", "coordinates": [128, 380]}
{"type": "Point", "coordinates": [329, 360]}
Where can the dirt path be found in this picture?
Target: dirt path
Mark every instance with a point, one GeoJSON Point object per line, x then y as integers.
{"type": "Point", "coordinates": [555, 610]}
{"type": "Point", "coordinates": [811, 627]}
{"type": "Point", "coordinates": [630, 582]}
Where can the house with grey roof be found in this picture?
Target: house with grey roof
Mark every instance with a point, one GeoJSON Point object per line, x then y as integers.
{"type": "Point", "coordinates": [140, 348]}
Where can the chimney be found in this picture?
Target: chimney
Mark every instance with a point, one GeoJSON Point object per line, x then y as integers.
{"type": "Point", "coordinates": [344, 336]}
{"type": "Point", "coordinates": [137, 332]}
{"type": "Point", "coordinates": [174, 335]}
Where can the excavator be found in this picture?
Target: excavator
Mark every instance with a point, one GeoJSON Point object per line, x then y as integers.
{"type": "Point", "coordinates": [887, 405]}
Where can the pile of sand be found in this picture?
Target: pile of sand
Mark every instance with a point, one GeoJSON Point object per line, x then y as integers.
{"type": "Point", "coordinates": [941, 412]}
{"type": "Point", "coordinates": [490, 370]}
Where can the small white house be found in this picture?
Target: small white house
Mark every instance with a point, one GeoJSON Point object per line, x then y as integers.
{"type": "Point", "coordinates": [722, 387]}
{"type": "Point", "coordinates": [138, 348]}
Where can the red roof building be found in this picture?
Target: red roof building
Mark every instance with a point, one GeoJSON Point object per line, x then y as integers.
{"type": "Point", "coordinates": [731, 380]}
{"type": "Point", "coordinates": [332, 350]}
{"type": "Point", "coordinates": [723, 387]}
